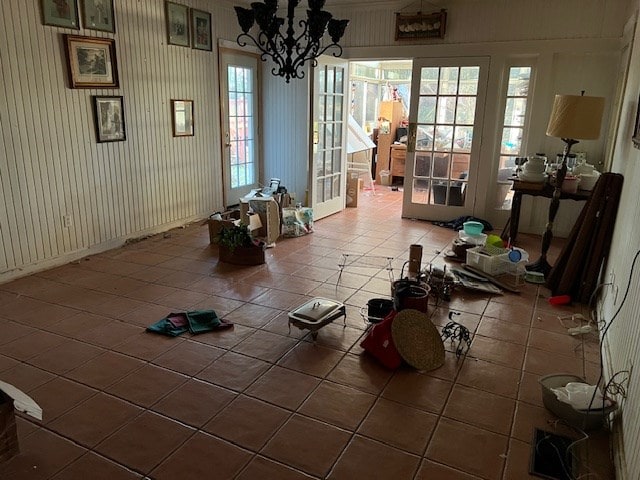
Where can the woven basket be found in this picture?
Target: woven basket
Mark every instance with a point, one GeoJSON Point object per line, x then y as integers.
{"type": "Point", "coordinates": [417, 340]}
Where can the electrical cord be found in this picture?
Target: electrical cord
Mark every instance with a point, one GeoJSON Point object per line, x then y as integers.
{"type": "Point", "coordinates": [604, 333]}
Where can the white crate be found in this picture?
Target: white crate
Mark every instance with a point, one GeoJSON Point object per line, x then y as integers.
{"type": "Point", "coordinates": [495, 261]}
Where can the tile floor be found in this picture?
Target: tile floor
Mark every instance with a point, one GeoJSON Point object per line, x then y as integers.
{"type": "Point", "coordinates": [256, 402]}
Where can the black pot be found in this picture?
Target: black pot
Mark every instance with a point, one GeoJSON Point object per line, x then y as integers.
{"type": "Point", "coordinates": [378, 308]}
{"type": "Point", "coordinates": [410, 294]}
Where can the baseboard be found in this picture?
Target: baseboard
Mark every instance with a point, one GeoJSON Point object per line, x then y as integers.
{"type": "Point", "coordinates": [69, 257]}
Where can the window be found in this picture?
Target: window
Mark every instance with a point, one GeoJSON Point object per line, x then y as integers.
{"type": "Point", "coordinates": [514, 128]}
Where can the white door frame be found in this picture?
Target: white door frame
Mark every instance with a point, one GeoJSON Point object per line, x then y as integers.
{"type": "Point", "coordinates": [229, 56]}
{"type": "Point", "coordinates": [444, 212]}
{"type": "Point", "coordinates": [337, 200]}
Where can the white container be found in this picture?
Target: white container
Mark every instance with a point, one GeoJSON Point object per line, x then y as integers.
{"type": "Point", "coordinates": [385, 177]}
{"type": "Point", "coordinates": [480, 239]}
{"type": "Point", "coordinates": [587, 182]}
{"type": "Point", "coordinates": [495, 261]}
{"type": "Point", "coordinates": [570, 184]}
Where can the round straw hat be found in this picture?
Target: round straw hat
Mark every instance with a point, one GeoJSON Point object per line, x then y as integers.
{"type": "Point", "coordinates": [417, 340]}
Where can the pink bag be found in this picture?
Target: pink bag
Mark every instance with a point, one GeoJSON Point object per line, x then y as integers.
{"type": "Point", "coordinates": [379, 343]}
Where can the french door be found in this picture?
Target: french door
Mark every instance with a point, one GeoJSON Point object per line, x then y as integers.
{"type": "Point", "coordinates": [445, 131]}
{"type": "Point", "coordinates": [329, 123]}
{"type": "Point", "coordinates": [239, 103]}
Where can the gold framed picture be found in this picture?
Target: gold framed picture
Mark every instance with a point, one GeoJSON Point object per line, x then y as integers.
{"type": "Point", "coordinates": [182, 118]}
{"type": "Point", "coordinates": [91, 62]}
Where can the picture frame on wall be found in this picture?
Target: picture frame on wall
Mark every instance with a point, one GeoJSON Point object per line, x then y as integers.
{"type": "Point", "coordinates": [182, 118]}
{"type": "Point", "coordinates": [177, 24]}
{"type": "Point", "coordinates": [201, 29]}
{"type": "Point", "coordinates": [636, 130]}
{"type": "Point", "coordinates": [109, 118]}
{"type": "Point", "coordinates": [91, 62]}
{"type": "Point", "coordinates": [60, 13]}
{"type": "Point", "coordinates": [98, 15]}
{"type": "Point", "coordinates": [418, 25]}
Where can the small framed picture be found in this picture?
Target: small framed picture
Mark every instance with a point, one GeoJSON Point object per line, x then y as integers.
{"type": "Point", "coordinates": [109, 118]}
{"type": "Point", "coordinates": [178, 24]}
{"type": "Point", "coordinates": [636, 130]}
{"type": "Point", "coordinates": [201, 29]}
{"type": "Point", "coordinates": [60, 13]}
{"type": "Point", "coordinates": [91, 62]}
{"type": "Point", "coordinates": [98, 15]}
{"type": "Point", "coordinates": [182, 118]}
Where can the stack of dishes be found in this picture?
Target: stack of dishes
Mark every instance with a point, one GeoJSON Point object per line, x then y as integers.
{"type": "Point", "coordinates": [533, 170]}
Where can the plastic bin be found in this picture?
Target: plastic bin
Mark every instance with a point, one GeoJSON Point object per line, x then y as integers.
{"type": "Point", "coordinates": [582, 419]}
{"type": "Point", "coordinates": [385, 177]}
{"type": "Point", "coordinates": [495, 261]}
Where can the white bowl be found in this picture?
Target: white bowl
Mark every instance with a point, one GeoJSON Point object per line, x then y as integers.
{"type": "Point", "coordinates": [532, 177]}
{"type": "Point", "coordinates": [534, 167]}
{"type": "Point", "coordinates": [587, 182]}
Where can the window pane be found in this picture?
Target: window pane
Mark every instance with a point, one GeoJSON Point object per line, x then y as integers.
{"type": "Point", "coordinates": [440, 166]}
{"type": "Point", "coordinates": [448, 81]}
{"type": "Point", "coordinates": [466, 112]}
{"type": "Point", "coordinates": [463, 139]}
{"type": "Point", "coordinates": [422, 165]}
{"type": "Point", "coordinates": [444, 138]}
{"type": "Point", "coordinates": [427, 110]}
{"type": "Point", "coordinates": [339, 80]}
{"type": "Point", "coordinates": [511, 141]}
{"type": "Point", "coordinates": [429, 81]}
{"type": "Point", "coordinates": [515, 111]}
{"type": "Point", "coordinates": [446, 109]}
{"type": "Point", "coordinates": [469, 77]}
{"type": "Point", "coordinates": [424, 137]}
{"type": "Point", "coordinates": [519, 78]}
{"type": "Point", "coordinates": [329, 109]}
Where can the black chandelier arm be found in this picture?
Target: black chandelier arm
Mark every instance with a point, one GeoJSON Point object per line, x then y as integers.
{"type": "Point", "coordinates": [259, 43]}
{"type": "Point", "coordinates": [335, 54]}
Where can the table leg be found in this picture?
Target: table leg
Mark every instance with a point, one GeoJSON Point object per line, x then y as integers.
{"type": "Point", "coordinates": [514, 220]}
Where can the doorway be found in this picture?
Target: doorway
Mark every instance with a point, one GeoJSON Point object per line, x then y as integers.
{"type": "Point", "coordinates": [443, 148]}
{"type": "Point", "coordinates": [239, 102]}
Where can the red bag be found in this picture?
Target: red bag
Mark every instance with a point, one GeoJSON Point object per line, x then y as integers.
{"type": "Point", "coordinates": [379, 343]}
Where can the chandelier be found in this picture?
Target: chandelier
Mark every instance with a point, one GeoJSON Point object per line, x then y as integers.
{"type": "Point", "coordinates": [291, 49]}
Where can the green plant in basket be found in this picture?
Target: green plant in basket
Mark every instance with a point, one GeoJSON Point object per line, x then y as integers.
{"type": "Point", "coordinates": [234, 237]}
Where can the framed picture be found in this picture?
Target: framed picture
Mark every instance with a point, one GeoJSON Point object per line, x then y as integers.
{"type": "Point", "coordinates": [636, 130]}
{"type": "Point", "coordinates": [201, 29]}
{"type": "Point", "coordinates": [182, 118]}
{"type": "Point", "coordinates": [178, 24]}
{"type": "Point", "coordinates": [414, 26]}
{"type": "Point", "coordinates": [91, 62]}
{"type": "Point", "coordinates": [109, 118]}
{"type": "Point", "coordinates": [98, 15]}
{"type": "Point", "coordinates": [60, 13]}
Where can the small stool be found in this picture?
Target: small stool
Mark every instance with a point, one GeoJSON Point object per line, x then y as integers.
{"type": "Point", "coordinates": [315, 314]}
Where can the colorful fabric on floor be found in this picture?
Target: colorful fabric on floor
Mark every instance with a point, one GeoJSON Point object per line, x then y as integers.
{"type": "Point", "coordinates": [196, 322]}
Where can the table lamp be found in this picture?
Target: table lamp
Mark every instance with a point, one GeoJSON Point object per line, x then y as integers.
{"type": "Point", "coordinates": [573, 118]}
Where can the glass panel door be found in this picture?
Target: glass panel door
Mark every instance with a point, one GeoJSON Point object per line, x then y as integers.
{"type": "Point", "coordinates": [239, 101]}
{"type": "Point", "coordinates": [328, 157]}
{"type": "Point", "coordinates": [447, 103]}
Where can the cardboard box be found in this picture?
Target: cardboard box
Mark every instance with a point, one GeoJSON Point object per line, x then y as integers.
{"type": "Point", "coordinates": [219, 220]}
{"type": "Point", "coordinates": [266, 218]}
{"type": "Point", "coordinates": [353, 191]}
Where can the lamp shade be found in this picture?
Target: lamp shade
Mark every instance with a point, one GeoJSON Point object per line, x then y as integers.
{"type": "Point", "coordinates": [577, 117]}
